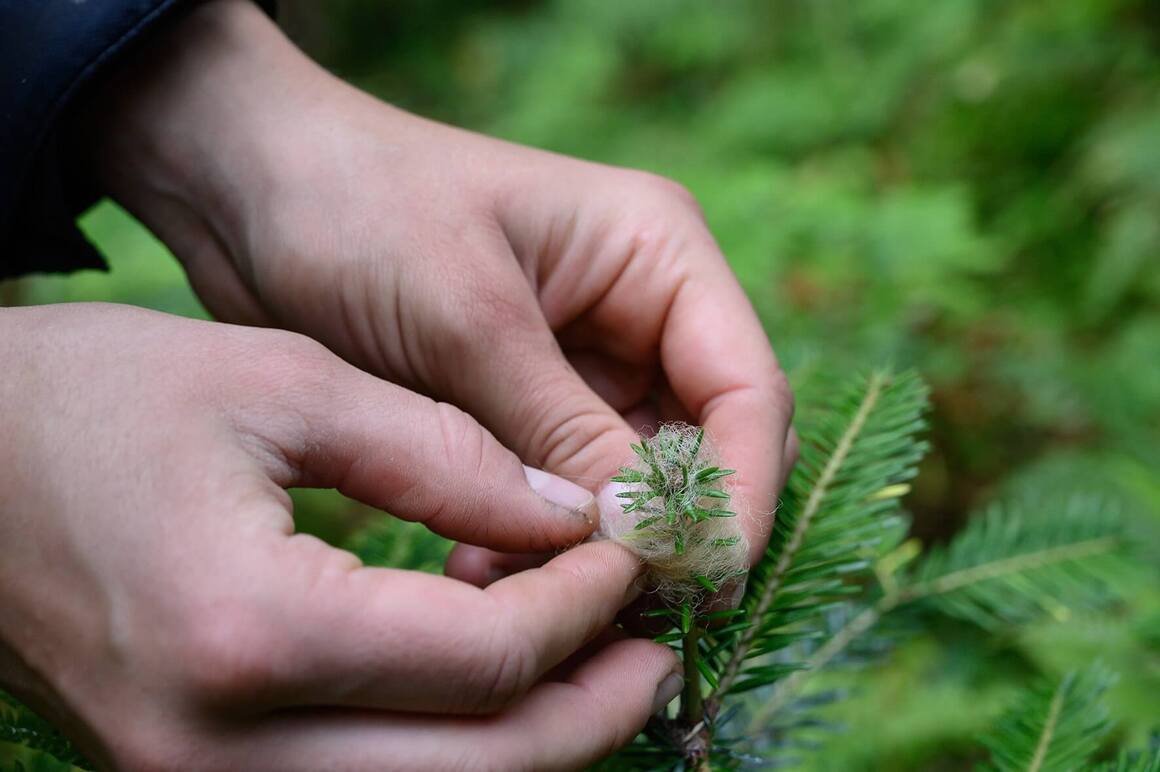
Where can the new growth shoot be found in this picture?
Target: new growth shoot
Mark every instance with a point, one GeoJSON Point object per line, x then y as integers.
{"type": "Point", "coordinates": [679, 522]}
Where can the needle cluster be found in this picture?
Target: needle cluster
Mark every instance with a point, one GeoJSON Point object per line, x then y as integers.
{"type": "Point", "coordinates": [678, 517]}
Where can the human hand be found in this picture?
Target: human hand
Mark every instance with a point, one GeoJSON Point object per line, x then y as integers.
{"type": "Point", "coordinates": [158, 606]}
{"type": "Point", "coordinates": [564, 304]}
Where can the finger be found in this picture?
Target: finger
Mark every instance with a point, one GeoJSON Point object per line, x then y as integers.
{"type": "Point", "coordinates": [790, 457]}
{"type": "Point", "coordinates": [620, 385]}
{"type": "Point", "coordinates": [401, 640]}
{"type": "Point", "coordinates": [562, 725]}
{"type": "Point", "coordinates": [480, 566]}
{"type": "Point", "coordinates": [581, 656]}
{"type": "Point", "coordinates": [626, 389]}
{"type": "Point", "coordinates": [515, 379]}
{"type": "Point", "coordinates": [720, 365]}
{"type": "Point", "coordinates": [421, 460]}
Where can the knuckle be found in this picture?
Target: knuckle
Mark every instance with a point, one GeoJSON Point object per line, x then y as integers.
{"type": "Point", "coordinates": [793, 452]}
{"type": "Point", "coordinates": [464, 441]}
{"type": "Point", "coordinates": [483, 312]}
{"type": "Point", "coordinates": [508, 670]}
{"type": "Point", "coordinates": [666, 192]}
{"type": "Point", "coordinates": [292, 354]}
{"type": "Point", "coordinates": [226, 653]}
{"type": "Point", "coordinates": [271, 360]}
{"type": "Point", "coordinates": [581, 440]}
{"type": "Point", "coordinates": [466, 448]}
{"type": "Point", "coordinates": [783, 394]}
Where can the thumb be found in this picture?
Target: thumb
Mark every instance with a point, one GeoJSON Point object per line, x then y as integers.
{"type": "Point", "coordinates": [421, 460]}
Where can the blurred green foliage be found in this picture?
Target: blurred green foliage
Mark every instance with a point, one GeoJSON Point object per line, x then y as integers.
{"type": "Point", "coordinates": [968, 187]}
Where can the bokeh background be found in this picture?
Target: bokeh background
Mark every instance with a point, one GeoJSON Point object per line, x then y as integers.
{"type": "Point", "coordinates": [969, 187]}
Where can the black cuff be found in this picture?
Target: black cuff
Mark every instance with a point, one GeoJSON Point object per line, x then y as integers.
{"type": "Point", "coordinates": [50, 52]}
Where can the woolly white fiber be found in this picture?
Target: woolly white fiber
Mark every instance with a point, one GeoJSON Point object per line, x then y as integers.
{"type": "Point", "coordinates": [675, 516]}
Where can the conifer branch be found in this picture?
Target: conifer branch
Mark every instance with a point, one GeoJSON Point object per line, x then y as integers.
{"type": "Point", "coordinates": [1054, 726]}
{"type": "Point", "coordinates": [786, 689]}
{"type": "Point", "coordinates": [1048, 732]}
{"type": "Point", "coordinates": [1016, 564]}
{"type": "Point", "coordinates": [813, 504]}
{"type": "Point", "coordinates": [1021, 564]}
{"type": "Point", "coordinates": [1133, 761]}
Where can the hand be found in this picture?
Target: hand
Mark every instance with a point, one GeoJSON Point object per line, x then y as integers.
{"type": "Point", "coordinates": [158, 606]}
{"type": "Point", "coordinates": [562, 303]}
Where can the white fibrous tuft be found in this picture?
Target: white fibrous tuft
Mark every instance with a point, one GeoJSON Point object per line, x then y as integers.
{"type": "Point", "coordinates": [676, 515]}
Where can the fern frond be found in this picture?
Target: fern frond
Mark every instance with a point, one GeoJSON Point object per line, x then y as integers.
{"type": "Point", "coordinates": [840, 510]}
{"type": "Point", "coordinates": [1056, 726]}
{"type": "Point", "coordinates": [1012, 564]}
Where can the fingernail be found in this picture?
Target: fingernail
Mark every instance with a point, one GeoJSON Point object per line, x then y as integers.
{"type": "Point", "coordinates": [667, 691]}
{"type": "Point", "coordinates": [562, 492]}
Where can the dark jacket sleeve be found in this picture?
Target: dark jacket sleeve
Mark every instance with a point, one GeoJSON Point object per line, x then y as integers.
{"type": "Point", "coordinates": [51, 51]}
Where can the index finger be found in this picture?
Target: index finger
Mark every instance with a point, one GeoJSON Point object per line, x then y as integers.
{"type": "Point", "coordinates": [720, 365]}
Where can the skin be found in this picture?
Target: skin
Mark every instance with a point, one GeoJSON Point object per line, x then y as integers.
{"type": "Point", "coordinates": [479, 305]}
{"type": "Point", "coordinates": [159, 607]}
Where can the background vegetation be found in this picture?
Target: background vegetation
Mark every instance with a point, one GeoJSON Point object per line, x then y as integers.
{"type": "Point", "coordinates": [968, 187]}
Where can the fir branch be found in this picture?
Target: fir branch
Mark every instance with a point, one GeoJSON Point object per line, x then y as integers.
{"type": "Point", "coordinates": [840, 510]}
{"type": "Point", "coordinates": [1133, 761]}
{"type": "Point", "coordinates": [1017, 564]}
{"type": "Point", "coordinates": [785, 690]}
{"type": "Point", "coordinates": [1014, 562]}
{"type": "Point", "coordinates": [1047, 734]}
{"type": "Point", "coordinates": [802, 524]}
{"type": "Point", "coordinates": [1025, 564]}
{"type": "Point", "coordinates": [1056, 726]}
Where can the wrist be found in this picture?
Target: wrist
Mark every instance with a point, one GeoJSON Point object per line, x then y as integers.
{"type": "Point", "coordinates": [189, 127]}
